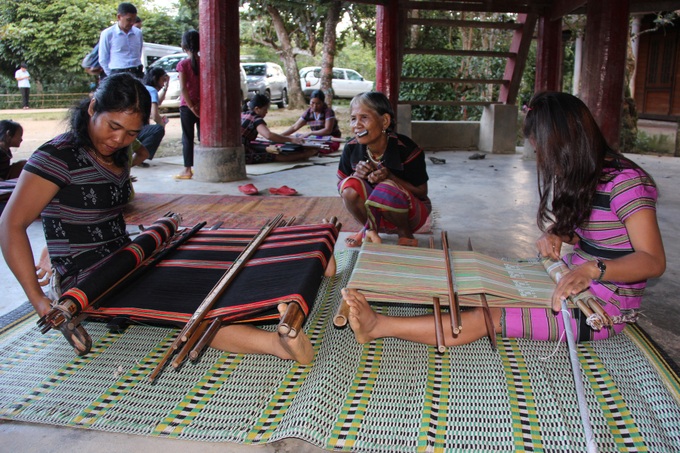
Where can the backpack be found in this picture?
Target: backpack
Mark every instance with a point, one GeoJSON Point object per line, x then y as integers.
{"type": "Point", "coordinates": [91, 60]}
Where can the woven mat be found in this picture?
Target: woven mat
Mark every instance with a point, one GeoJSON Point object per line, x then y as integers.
{"type": "Point", "coordinates": [241, 211]}
{"type": "Point", "coordinates": [236, 211]}
{"type": "Point", "coordinates": [387, 396]}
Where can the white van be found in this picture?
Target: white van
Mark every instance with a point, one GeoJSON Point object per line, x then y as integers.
{"type": "Point", "coordinates": [172, 97]}
{"type": "Point", "coordinates": [152, 52]}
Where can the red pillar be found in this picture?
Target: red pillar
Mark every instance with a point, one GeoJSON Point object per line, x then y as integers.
{"type": "Point", "coordinates": [220, 156]}
{"type": "Point", "coordinates": [388, 51]}
{"type": "Point", "coordinates": [549, 55]}
{"type": "Point", "coordinates": [604, 64]}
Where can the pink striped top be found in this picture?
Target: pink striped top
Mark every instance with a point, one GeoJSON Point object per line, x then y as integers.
{"type": "Point", "coordinates": [621, 194]}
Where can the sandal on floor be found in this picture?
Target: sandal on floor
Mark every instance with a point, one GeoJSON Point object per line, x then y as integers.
{"type": "Point", "coordinates": [283, 190]}
{"type": "Point", "coordinates": [408, 242]}
{"type": "Point", "coordinates": [248, 189]}
{"type": "Point", "coordinates": [355, 240]}
{"type": "Point", "coordinates": [183, 176]}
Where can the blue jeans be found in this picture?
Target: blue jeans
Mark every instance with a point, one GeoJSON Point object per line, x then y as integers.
{"type": "Point", "coordinates": [151, 136]}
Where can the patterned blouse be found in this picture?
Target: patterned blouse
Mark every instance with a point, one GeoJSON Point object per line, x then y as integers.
{"type": "Point", "coordinates": [84, 221]}
{"type": "Point", "coordinates": [317, 121]}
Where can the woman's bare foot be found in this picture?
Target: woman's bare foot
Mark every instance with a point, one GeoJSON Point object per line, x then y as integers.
{"type": "Point", "coordinates": [373, 236]}
{"type": "Point", "coordinates": [362, 319]}
{"type": "Point", "coordinates": [298, 348]}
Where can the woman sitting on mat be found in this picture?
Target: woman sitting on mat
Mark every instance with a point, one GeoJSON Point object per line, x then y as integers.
{"type": "Point", "coordinates": [320, 118]}
{"type": "Point", "coordinates": [591, 197]}
{"type": "Point", "coordinates": [382, 174]}
{"type": "Point", "coordinates": [79, 182]}
{"type": "Point", "coordinates": [252, 124]}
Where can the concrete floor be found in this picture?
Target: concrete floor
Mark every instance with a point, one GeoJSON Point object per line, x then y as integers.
{"type": "Point", "coordinates": [492, 202]}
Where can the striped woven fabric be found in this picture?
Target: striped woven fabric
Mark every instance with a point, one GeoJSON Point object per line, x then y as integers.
{"type": "Point", "coordinates": [391, 273]}
{"type": "Point", "coordinates": [386, 396]}
{"type": "Point", "coordinates": [287, 267]}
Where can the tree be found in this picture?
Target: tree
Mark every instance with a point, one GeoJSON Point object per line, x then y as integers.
{"type": "Point", "coordinates": [293, 29]}
{"type": "Point", "coordinates": [47, 35]}
{"type": "Point", "coordinates": [50, 37]}
{"type": "Point", "coordinates": [329, 47]}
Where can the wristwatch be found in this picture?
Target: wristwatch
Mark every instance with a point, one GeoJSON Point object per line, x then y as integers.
{"type": "Point", "coordinates": [602, 267]}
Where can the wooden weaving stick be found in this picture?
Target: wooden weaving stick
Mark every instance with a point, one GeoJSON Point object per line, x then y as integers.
{"type": "Point", "coordinates": [214, 294]}
{"type": "Point", "coordinates": [454, 305]}
{"type": "Point", "coordinates": [487, 313]}
{"type": "Point", "coordinates": [437, 311]}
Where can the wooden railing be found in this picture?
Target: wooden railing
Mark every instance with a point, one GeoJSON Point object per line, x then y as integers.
{"type": "Point", "coordinates": [41, 100]}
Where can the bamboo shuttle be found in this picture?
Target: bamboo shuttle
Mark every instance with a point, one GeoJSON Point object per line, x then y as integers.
{"type": "Point", "coordinates": [597, 308]}
{"type": "Point", "coordinates": [291, 321]}
{"type": "Point", "coordinates": [205, 339]}
{"type": "Point", "coordinates": [184, 352]}
{"type": "Point", "coordinates": [341, 315]}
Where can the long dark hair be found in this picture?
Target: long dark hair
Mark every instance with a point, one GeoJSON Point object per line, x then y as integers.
{"type": "Point", "coordinates": [153, 76]}
{"type": "Point", "coordinates": [116, 93]}
{"type": "Point", "coordinates": [191, 43]}
{"type": "Point", "coordinates": [572, 157]}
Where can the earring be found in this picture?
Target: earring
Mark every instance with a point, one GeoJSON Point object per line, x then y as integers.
{"type": "Point", "coordinates": [384, 131]}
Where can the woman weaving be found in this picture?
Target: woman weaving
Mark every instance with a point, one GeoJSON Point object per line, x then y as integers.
{"type": "Point", "coordinates": [382, 174]}
{"type": "Point", "coordinates": [79, 183]}
{"type": "Point", "coordinates": [591, 197]}
{"type": "Point", "coordinates": [319, 116]}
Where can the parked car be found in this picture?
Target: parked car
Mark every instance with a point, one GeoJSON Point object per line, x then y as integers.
{"type": "Point", "coordinates": [152, 52]}
{"type": "Point", "coordinates": [169, 63]}
{"type": "Point", "coordinates": [346, 83]}
{"type": "Point", "coordinates": [268, 79]}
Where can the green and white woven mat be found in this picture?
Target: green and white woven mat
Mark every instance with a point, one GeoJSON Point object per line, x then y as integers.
{"type": "Point", "coordinates": [389, 395]}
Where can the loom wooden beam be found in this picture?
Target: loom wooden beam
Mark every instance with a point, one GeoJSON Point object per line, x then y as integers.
{"type": "Point", "coordinates": [488, 320]}
{"type": "Point", "coordinates": [454, 304]}
{"type": "Point", "coordinates": [438, 324]}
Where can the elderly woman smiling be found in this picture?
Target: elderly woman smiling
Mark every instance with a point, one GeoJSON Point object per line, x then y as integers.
{"type": "Point", "coordinates": [382, 174]}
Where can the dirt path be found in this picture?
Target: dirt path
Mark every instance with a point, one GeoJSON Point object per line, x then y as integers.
{"type": "Point", "coordinates": [37, 131]}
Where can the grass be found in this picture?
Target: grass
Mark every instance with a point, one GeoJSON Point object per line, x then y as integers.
{"type": "Point", "coordinates": [35, 115]}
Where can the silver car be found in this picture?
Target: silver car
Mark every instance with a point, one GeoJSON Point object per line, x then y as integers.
{"type": "Point", "coordinates": [346, 83]}
{"type": "Point", "coordinates": [268, 79]}
{"type": "Point", "coordinates": [169, 63]}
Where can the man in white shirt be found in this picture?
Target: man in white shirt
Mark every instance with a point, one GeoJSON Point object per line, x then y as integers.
{"type": "Point", "coordinates": [22, 77]}
{"type": "Point", "coordinates": [120, 45]}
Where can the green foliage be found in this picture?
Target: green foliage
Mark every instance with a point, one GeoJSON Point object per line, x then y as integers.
{"type": "Point", "coordinates": [646, 144]}
{"type": "Point", "coordinates": [53, 36]}
{"type": "Point", "coordinates": [160, 28]}
{"type": "Point", "coordinates": [439, 66]}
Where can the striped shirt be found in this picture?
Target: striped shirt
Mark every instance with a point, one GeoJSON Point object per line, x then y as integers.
{"type": "Point", "coordinates": [84, 222]}
{"type": "Point", "coordinates": [317, 121]}
{"type": "Point", "coordinates": [249, 123]}
{"type": "Point", "coordinates": [621, 194]}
